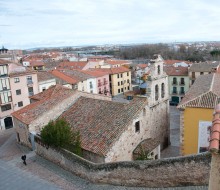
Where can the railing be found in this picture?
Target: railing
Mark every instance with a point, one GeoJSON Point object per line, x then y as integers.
{"type": "Point", "coordinates": [174, 92]}
{"type": "Point", "coordinates": [31, 93]}
{"type": "Point", "coordinates": [181, 83]}
{"type": "Point", "coordinates": [29, 82]}
{"type": "Point", "coordinates": [174, 83]}
{"type": "Point", "coordinates": [182, 92]}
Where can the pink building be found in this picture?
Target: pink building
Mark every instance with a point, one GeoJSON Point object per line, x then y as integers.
{"type": "Point", "coordinates": [23, 84]}
{"type": "Point", "coordinates": [102, 81]}
{"type": "Point", "coordinates": [17, 83]}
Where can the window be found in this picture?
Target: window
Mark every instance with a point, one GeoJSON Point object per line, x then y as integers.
{"type": "Point", "coordinates": [144, 112]}
{"type": "Point", "coordinates": [118, 76]}
{"type": "Point", "coordinates": [100, 91]}
{"type": "Point", "coordinates": [128, 87]}
{"type": "Point", "coordinates": [158, 69]}
{"type": "Point", "coordinates": [162, 90]}
{"type": "Point", "coordinates": [91, 91]}
{"type": "Point", "coordinates": [121, 75]}
{"type": "Point", "coordinates": [43, 89]}
{"type": "Point", "coordinates": [156, 92]}
{"type": "Point", "coordinates": [182, 91]}
{"type": "Point", "coordinates": [128, 81]}
{"type": "Point", "coordinates": [121, 82]}
{"type": "Point", "coordinates": [174, 90]}
{"type": "Point", "coordinates": [201, 73]}
{"type": "Point", "coordinates": [174, 80]}
{"type": "Point", "coordinates": [122, 90]}
{"type": "Point", "coordinates": [30, 91]}
{"type": "Point", "coordinates": [29, 80]}
{"type": "Point", "coordinates": [6, 107]}
{"type": "Point", "coordinates": [127, 73]}
{"type": "Point", "coordinates": [18, 92]}
{"type": "Point", "coordinates": [118, 83]}
{"type": "Point", "coordinates": [16, 80]}
{"type": "Point", "coordinates": [137, 127]}
{"type": "Point", "coordinates": [20, 104]}
{"type": "Point", "coordinates": [182, 81]}
{"type": "Point", "coordinates": [193, 75]}
{"type": "Point", "coordinates": [118, 90]}
{"type": "Point", "coordinates": [90, 83]}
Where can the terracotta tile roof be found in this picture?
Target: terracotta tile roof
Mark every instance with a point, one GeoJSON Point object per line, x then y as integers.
{"type": "Point", "coordinates": [47, 100]}
{"type": "Point", "coordinates": [112, 70]}
{"type": "Point", "coordinates": [142, 66]}
{"type": "Point", "coordinates": [203, 67]}
{"type": "Point", "coordinates": [44, 76]}
{"type": "Point", "coordinates": [4, 62]}
{"type": "Point", "coordinates": [172, 61]}
{"type": "Point", "coordinates": [65, 77]}
{"type": "Point", "coordinates": [148, 145]}
{"type": "Point", "coordinates": [77, 74]}
{"type": "Point", "coordinates": [101, 122]}
{"type": "Point", "coordinates": [36, 63]}
{"type": "Point", "coordinates": [19, 70]}
{"type": "Point", "coordinates": [72, 65]}
{"type": "Point", "coordinates": [176, 71]}
{"type": "Point", "coordinates": [215, 132]}
{"type": "Point", "coordinates": [116, 62]}
{"type": "Point", "coordinates": [94, 73]}
{"type": "Point", "coordinates": [203, 93]}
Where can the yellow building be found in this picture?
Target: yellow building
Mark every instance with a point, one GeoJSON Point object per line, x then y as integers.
{"type": "Point", "coordinates": [119, 78]}
{"type": "Point", "coordinates": [196, 110]}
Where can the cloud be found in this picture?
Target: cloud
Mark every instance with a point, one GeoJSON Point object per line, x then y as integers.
{"type": "Point", "coordinates": [73, 22]}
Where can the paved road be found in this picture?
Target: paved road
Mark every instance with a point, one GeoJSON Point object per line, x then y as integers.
{"type": "Point", "coordinates": [42, 174]}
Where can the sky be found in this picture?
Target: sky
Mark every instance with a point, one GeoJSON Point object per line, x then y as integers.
{"type": "Point", "coordinates": [53, 23]}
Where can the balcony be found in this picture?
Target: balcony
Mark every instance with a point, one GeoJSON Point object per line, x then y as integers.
{"type": "Point", "coordinates": [99, 84]}
{"type": "Point", "coordinates": [31, 93]}
{"type": "Point", "coordinates": [174, 83]}
{"type": "Point", "coordinates": [29, 82]}
{"type": "Point", "coordinates": [174, 92]}
{"type": "Point", "coordinates": [181, 83]}
{"type": "Point", "coordinates": [182, 92]}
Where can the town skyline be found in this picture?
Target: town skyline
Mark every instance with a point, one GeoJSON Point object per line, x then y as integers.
{"type": "Point", "coordinates": [31, 24]}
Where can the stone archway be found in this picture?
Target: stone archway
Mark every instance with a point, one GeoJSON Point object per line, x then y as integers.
{"type": "Point", "coordinates": [8, 122]}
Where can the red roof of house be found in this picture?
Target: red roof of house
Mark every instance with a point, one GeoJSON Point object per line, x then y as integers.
{"type": "Point", "coordinates": [72, 64]}
{"type": "Point", "coordinates": [36, 63]}
{"type": "Point", "coordinates": [142, 66]}
{"type": "Point", "coordinates": [116, 62]}
{"type": "Point", "coordinates": [112, 70]}
{"type": "Point", "coordinates": [215, 132]}
{"type": "Point", "coordinates": [171, 61]}
{"type": "Point", "coordinates": [63, 76]}
{"type": "Point", "coordinates": [46, 100]}
{"type": "Point", "coordinates": [94, 73]}
{"type": "Point", "coordinates": [176, 71]}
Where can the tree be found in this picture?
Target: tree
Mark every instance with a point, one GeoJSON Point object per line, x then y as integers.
{"type": "Point", "coordinates": [59, 134]}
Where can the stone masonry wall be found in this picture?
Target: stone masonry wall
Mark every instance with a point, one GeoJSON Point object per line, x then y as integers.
{"type": "Point", "coordinates": [182, 171]}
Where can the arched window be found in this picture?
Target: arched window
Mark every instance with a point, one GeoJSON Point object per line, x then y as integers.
{"type": "Point", "coordinates": [162, 90]}
{"type": "Point", "coordinates": [158, 69]}
{"type": "Point", "coordinates": [156, 92]}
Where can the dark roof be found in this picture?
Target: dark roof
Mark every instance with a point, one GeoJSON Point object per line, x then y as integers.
{"type": "Point", "coordinates": [147, 145]}
{"type": "Point", "coordinates": [46, 101]}
{"type": "Point", "coordinates": [204, 92]}
{"type": "Point", "coordinates": [44, 76]}
{"type": "Point", "coordinates": [101, 122]}
{"type": "Point", "coordinates": [203, 67]}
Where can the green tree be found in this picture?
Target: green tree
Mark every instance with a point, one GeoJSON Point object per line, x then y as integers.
{"type": "Point", "coordinates": [59, 134]}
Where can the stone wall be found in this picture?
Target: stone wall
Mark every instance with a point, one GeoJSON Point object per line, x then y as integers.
{"type": "Point", "coordinates": [182, 171]}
